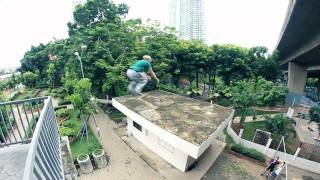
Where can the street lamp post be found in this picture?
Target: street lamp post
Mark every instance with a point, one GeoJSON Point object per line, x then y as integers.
{"type": "Point", "coordinates": [77, 54]}
{"type": "Point", "coordinates": [83, 48]}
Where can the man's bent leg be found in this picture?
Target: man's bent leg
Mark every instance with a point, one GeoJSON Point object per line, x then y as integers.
{"type": "Point", "coordinates": [132, 86]}
{"type": "Point", "coordinates": [140, 84]}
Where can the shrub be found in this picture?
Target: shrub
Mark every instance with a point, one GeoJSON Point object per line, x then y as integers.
{"type": "Point", "coordinates": [36, 92]}
{"type": "Point", "coordinates": [67, 124]}
{"type": "Point", "coordinates": [64, 102]}
{"type": "Point", "coordinates": [66, 131]}
{"type": "Point", "coordinates": [249, 152]}
{"type": "Point", "coordinates": [315, 114]}
{"type": "Point", "coordinates": [15, 95]}
{"type": "Point", "coordinates": [224, 102]}
{"type": "Point", "coordinates": [281, 125]}
{"type": "Point", "coordinates": [269, 93]}
{"type": "Point", "coordinates": [62, 113]}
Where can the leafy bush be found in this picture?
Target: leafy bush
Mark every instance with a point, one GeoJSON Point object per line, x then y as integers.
{"type": "Point", "coordinates": [42, 86]}
{"type": "Point", "coordinates": [15, 96]}
{"type": "Point", "coordinates": [67, 124]}
{"type": "Point", "coordinates": [66, 131]}
{"type": "Point", "coordinates": [249, 152]}
{"type": "Point", "coordinates": [269, 93]}
{"type": "Point", "coordinates": [169, 88]}
{"type": "Point", "coordinates": [315, 114]}
{"type": "Point", "coordinates": [280, 125]}
{"type": "Point", "coordinates": [224, 102]}
{"type": "Point", "coordinates": [243, 94]}
{"type": "Point", "coordinates": [62, 113]}
{"type": "Point", "coordinates": [36, 92]}
{"type": "Point", "coordinates": [64, 102]}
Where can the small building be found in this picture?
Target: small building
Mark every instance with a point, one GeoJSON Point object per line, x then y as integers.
{"type": "Point", "coordinates": [177, 128]}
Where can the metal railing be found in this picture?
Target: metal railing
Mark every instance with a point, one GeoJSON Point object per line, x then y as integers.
{"type": "Point", "coordinates": [18, 120]}
{"type": "Point", "coordinates": [33, 121]}
{"type": "Point", "coordinates": [44, 156]}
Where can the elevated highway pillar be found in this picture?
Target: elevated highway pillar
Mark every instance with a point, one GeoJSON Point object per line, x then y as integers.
{"type": "Point", "coordinates": [297, 77]}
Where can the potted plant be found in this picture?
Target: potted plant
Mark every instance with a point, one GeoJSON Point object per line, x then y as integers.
{"type": "Point", "coordinates": [100, 158]}
{"type": "Point", "coordinates": [85, 163]}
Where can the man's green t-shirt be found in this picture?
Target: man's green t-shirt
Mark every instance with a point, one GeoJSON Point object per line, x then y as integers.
{"type": "Point", "coordinates": [141, 66]}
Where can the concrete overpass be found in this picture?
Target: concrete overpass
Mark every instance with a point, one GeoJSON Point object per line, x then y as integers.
{"type": "Point", "coordinates": [299, 43]}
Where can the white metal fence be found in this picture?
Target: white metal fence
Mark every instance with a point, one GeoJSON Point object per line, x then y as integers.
{"type": "Point", "coordinates": [44, 156]}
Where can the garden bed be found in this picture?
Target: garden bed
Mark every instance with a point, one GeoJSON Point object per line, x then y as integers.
{"type": "Point", "coordinates": [292, 143]}
{"type": "Point", "coordinates": [78, 147]}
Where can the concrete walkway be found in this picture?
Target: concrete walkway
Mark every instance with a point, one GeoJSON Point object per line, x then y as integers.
{"type": "Point", "coordinates": [124, 163]}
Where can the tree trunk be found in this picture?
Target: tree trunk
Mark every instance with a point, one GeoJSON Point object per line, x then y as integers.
{"type": "Point", "coordinates": [214, 80]}
{"type": "Point", "coordinates": [197, 76]}
{"type": "Point", "coordinates": [204, 82]}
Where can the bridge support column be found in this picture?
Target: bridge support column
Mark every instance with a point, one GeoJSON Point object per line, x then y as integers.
{"type": "Point", "coordinates": [297, 77]}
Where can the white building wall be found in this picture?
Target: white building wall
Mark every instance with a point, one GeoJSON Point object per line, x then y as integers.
{"type": "Point", "coordinates": [164, 149]}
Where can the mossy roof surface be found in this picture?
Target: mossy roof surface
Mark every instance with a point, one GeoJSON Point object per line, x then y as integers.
{"type": "Point", "coordinates": [187, 118]}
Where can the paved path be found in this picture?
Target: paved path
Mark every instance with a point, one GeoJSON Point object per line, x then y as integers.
{"type": "Point", "coordinates": [124, 164]}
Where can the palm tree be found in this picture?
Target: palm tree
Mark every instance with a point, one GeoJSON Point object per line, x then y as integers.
{"type": "Point", "coordinates": [281, 125]}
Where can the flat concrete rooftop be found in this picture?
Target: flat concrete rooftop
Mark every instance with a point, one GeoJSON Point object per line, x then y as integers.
{"type": "Point", "coordinates": [187, 118]}
{"type": "Point", "coordinates": [12, 162]}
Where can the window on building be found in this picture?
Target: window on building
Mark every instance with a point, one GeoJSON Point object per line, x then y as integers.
{"type": "Point", "coordinates": [165, 145]}
{"type": "Point", "coordinates": [138, 126]}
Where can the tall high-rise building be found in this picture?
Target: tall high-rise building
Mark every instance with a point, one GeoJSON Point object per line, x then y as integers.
{"type": "Point", "coordinates": [188, 17]}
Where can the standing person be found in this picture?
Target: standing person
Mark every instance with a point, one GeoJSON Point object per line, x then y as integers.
{"type": "Point", "coordinates": [138, 75]}
{"type": "Point", "coordinates": [278, 170]}
{"type": "Point", "coordinates": [271, 166]}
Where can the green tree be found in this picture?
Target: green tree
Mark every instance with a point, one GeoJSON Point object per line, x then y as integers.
{"type": "Point", "coordinates": [269, 93]}
{"type": "Point", "coordinates": [232, 62]}
{"type": "Point", "coordinates": [262, 64]}
{"type": "Point", "coordinates": [52, 74]}
{"type": "Point", "coordinates": [81, 97]}
{"type": "Point", "coordinates": [29, 79]}
{"type": "Point", "coordinates": [192, 58]}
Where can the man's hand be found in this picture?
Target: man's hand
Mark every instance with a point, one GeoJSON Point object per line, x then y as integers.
{"type": "Point", "coordinates": [157, 80]}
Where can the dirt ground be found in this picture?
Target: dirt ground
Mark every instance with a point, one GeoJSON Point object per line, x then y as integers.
{"type": "Point", "coordinates": [231, 167]}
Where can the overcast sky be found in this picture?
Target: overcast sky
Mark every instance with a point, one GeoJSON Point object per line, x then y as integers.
{"type": "Point", "coordinates": [243, 22]}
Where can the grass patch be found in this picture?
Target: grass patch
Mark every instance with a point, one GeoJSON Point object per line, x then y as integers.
{"type": "Point", "coordinates": [74, 122]}
{"type": "Point", "coordinates": [79, 147]}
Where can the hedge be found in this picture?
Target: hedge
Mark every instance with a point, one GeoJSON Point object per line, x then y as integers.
{"type": "Point", "coordinates": [249, 152]}
{"type": "Point", "coordinates": [64, 102]}
{"type": "Point", "coordinates": [60, 107]}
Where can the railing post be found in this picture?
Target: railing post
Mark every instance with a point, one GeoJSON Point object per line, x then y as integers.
{"type": "Point", "coordinates": [267, 146]}
{"type": "Point", "coordinates": [240, 135]}
{"type": "Point", "coordinates": [295, 154]}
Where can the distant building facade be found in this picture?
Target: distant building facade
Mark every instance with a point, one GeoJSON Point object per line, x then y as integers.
{"type": "Point", "coordinates": [188, 18]}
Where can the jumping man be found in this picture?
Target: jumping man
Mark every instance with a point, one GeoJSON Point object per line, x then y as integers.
{"type": "Point", "coordinates": [138, 75]}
